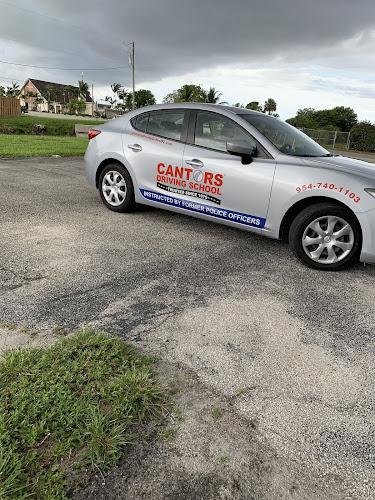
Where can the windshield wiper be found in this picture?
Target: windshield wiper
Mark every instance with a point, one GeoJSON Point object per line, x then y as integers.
{"type": "Point", "coordinates": [328, 154]}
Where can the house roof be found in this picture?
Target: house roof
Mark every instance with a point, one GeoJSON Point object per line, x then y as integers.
{"type": "Point", "coordinates": [61, 94]}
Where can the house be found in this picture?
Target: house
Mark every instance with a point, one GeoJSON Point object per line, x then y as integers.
{"type": "Point", "coordinates": [60, 96]}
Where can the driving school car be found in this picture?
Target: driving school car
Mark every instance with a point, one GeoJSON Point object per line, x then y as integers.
{"type": "Point", "coordinates": [241, 168]}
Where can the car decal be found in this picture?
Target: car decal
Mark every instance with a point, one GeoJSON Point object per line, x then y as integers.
{"type": "Point", "coordinates": [186, 192]}
{"type": "Point", "coordinates": [155, 139]}
{"type": "Point", "coordinates": [332, 187]}
{"type": "Point", "coordinates": [194, 206]}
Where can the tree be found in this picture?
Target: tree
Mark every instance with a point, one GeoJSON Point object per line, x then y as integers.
{"type": "Point", "coordinates": [71, 92]}
{"type": "Point", "coordinates": [2, 91]}
{"type": "Point", "coordinates": [109, 99]}
{"type": "Point", "coordinates": [338, 118]}
{"type": "Point", "coordinates": [116, 87]}
{"type": "Point", "coordinates": [187, 93]}
{"type": "Point", "coordinates": [254, 105]}
{"type": "Point", "coordinates": [50, 94]}
{"type": "Point", "coordinates": [238, 105]}
{"type": "Point", "coordinates": [13, 91]}
{"type": "Point", "coordinates": [362, 136]}
{"type": "Point", "coordinates": [270, 106]}
{"type": "Point", "coordinates": [39, 100]}
{"type": "Point", "coordinates": [83, 90]}
{"type": "Point", "coordinates": [77, 106]}
{"type": "Point", "coordinates": [212, 96]}
{"type": "Point", "coordinates": [144, 97]}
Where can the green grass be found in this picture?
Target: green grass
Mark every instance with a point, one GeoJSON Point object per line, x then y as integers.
{"type": "Point", "coordinates": [13, 146]}
{"type": "Point", "coordinates": [217, 413]}
{"type": "Point", "coordinates": [23, 125]}
{"type": "Point", "coordinates": [70, 407]}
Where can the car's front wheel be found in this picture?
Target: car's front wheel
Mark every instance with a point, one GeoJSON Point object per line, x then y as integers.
{"type": "Point", "coordinates": [116, 188]}
{"type": "Point", "coordinates": [326, 236]}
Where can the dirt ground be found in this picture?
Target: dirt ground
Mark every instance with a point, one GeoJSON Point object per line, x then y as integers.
{"type": "Point", "coordinates": [205, 451]}
{"type": "Point", "coordinates": [202, 450]}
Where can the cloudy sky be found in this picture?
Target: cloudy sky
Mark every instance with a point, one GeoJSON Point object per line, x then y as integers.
{"type": "Point", "coordinates": [302, 53]}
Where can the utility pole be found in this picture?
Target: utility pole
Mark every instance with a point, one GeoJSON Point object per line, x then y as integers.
{"type": "Point", "coordinates": [92, 99]}
{"type": "Point", "coordinates": [133, 76]}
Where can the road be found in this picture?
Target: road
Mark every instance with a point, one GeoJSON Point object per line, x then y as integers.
{"type": "Point", "coordinates": [236, 308]}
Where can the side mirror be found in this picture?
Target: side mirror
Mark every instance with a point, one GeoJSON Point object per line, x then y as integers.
{"type": "Point", "coordinates": [243, 149]}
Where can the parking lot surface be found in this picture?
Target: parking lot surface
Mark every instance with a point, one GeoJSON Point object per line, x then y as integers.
{"type": "Point", "coordinates": [236, 308]}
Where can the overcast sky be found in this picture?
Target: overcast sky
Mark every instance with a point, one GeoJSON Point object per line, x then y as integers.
{"type": "Point", "coordinates": [302, 53]}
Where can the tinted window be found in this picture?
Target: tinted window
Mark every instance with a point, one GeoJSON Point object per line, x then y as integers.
{"type": "Point", "coordinates": [286, 138]}
{"type": "Point", "coordinates": [140, 122]}
{"type": "Point", "coordinates": [166, 124]}
{"type": "Point", "coordinates": [213, 131]}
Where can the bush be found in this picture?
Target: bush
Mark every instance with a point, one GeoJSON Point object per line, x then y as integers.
{"type": "Point", "coordinates": [362, 137]}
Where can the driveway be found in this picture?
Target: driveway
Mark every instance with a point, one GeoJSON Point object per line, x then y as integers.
{"type": "Point", "coordinates": [235, 308]}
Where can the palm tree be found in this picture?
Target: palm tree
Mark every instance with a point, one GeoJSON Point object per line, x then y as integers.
{"type": "Point", "coordinates": [83, 89]}
{"type": "Point", "coordinates": [116, 87]}
{"type": "Point", "coordinates": [13, 91]}
{"type": "Point", "coordinates": [270, 106]}
{"type": "Point", "coordinates": [213, 96]}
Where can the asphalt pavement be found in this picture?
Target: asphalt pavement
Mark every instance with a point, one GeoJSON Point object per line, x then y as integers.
{"type": "Point", "coordinates": [236, 308]}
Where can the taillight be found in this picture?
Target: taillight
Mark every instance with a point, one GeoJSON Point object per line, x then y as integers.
{"type": "Point", "coordinates": [93, 133]}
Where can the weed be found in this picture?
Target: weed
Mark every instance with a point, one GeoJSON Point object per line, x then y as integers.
{"type": "Point", "coordinates": [178, 414]}
{"type": "Point", "coordinates": [242, 390]}
{"type": "Point", "coordinates": [59, 330]}
{"type": "Point", "coordinates": [217, 413]}
{"type": "Point", "coordinates": [223, 459]}
{"type": "Point", "coordinates": [168, 434]}
{"type": "Point", "coordinates": [27, 330]}
{"type": "Point", "coordinates": [8, 326]}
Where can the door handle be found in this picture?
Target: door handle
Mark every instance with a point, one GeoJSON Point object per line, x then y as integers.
{"type": "Point", "coordinates": [195, 163]}
{"type": "Point", "coordinates": [135, 147]}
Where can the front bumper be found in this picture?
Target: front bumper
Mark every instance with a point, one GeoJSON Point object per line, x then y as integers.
{"type": "Point", "coordinates": [367, 221]}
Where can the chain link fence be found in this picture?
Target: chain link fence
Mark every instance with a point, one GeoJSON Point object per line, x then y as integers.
{"type": "Point", "coordinates": [329, 138]}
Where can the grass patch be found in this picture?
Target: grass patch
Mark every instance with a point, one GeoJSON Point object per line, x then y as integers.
{"type": "Point", "coordinates": [168, 434]}
{"type": "Point", "coordinates": [217, 413]}
{"type": "Point", "coordinates": [22, 125]}
{"type": "Point", "coordinates": [13, 146]}
{"type": "Point", "coordinates": [72, 406]}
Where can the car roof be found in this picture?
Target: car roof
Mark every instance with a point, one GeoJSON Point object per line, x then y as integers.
{"type": "Point", "coordinates": [199, 105]}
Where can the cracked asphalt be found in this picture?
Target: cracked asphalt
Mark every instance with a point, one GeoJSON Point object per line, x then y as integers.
{"type": "Point", "coordinates": [237, 309]}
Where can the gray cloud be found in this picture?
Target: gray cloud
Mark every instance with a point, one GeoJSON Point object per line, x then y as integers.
{"type": "Point", "coordinates": [173, 38]}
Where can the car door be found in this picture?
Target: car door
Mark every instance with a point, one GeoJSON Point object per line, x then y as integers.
{"type": "Point", "coordinates": [154, 143]}
{"type": "Point", "coordinates": [226, 187]}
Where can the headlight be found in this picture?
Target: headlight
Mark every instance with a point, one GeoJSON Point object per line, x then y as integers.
{"type": "Point", "coordinates": [370, 191]}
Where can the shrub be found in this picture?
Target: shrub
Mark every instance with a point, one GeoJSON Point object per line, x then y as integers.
{"type": "Point", "coordinates": [362, 137]}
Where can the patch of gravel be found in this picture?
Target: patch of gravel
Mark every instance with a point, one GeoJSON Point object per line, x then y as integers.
{"type": "Point", "coordinates": [194, 455]}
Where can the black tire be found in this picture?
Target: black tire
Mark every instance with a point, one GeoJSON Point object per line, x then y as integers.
{"type": "Point", "coordinates": [318, 255]}
{"type": "Point", "coordinates": [116, 188]}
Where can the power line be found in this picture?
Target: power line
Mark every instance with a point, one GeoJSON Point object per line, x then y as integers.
{"type": "Point", "coordinates": [53, 50]}
{"type": "Point", "coordinates": [64, 69]}
{"type": "Point", "coordinates": [12, 79]}
{"type": "Point", "coordinates": [58, 20]}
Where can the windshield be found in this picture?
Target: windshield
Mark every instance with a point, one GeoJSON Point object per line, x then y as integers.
{"type": "Point", "coordinates": [286, 138]}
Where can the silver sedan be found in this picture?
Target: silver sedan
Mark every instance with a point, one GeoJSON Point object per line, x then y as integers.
{"type": "Point", "coordinates": [241, 168]}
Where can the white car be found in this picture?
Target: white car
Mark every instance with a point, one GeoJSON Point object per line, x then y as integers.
{"type": "Point", "coordinates": [241, 168]}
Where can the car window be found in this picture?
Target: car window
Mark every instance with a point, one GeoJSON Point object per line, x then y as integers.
{"type": "Point", "coordinates": [286, 138]}
{"type": "Point", "coordinates": [140, 122]}
{"type": "Point", "coordinates": [166, 124]}
{"type": "Point", "coordinates": [213, 131]}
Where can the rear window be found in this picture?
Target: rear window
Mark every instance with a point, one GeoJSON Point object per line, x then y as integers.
{"type": "Point", "coordinates": [166, 124]}
{"type": "Point", "coordinates": [140, 122]}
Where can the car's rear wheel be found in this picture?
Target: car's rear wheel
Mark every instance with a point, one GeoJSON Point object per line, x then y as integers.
{"type": "Point", "coordinates": [116, 188]}
{"type": "Point", "coordinates": [326, 236]}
